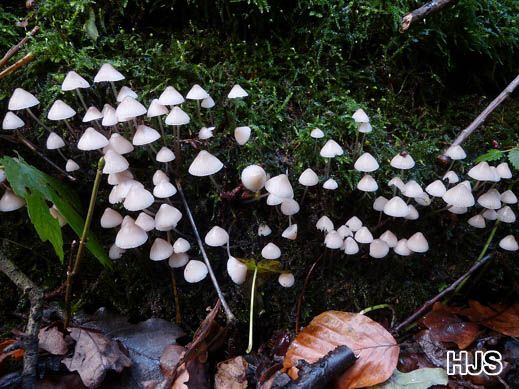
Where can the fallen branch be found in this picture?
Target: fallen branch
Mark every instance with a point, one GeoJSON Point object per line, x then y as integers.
{"type": "Point", "coordinates": [488, 110]}
{"type": "Point", "coordinates": [30, 338]}
{"type": "Point", "coordinates": [428, 305]}
{"type": "Point", "coordinates": [13, 50]}
{"type": "Point", "coordinates": [18, 64]}
{"type": "Point", "coordinates": [422, 12]}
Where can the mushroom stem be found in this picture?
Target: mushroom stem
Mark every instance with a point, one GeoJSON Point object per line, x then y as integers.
{"type": "Point", "coordinates": [161, 126]}
{"type": "Point", "coordinates": [218, 187]}
{"type": "Point", "coordinates": [251, 314]}
{"type": "Point", "coordinates": [327, 168]}
{"type": "Point", "coordinates": [69, 126]}
{"type": "Point", "coordinates": [62, 155]}
{"type": "Point", "coordinates": [289, 220]}
{"type": "Point", "coordinates": [198, 111]}
{"type": "Point", "coordinates": [178, 313]}
{"type": "Point", "coordinates": [361, 144]}
{"type": "Point", "coordinates": [356, 144]}
{"type": "Point", "coordinates": [228, 313]}
{"type": "Point", "coordinates": [451, 165]}
{"type": "Point", "coordinates": [80, 95]}
{"type": "Point", "coordinates": [37, 120]}
{"type": "Point", "coordinates": [114, 89]}
{"type": "Point", "coordinates": [304, 195]}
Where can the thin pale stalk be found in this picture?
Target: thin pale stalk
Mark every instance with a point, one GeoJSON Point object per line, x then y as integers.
{"type": "Point", "coordinates": [37, 120]}
{"type": "Point", "coordinates": [251, 314]}
{"type": "Point", "coordinates": [80, 95]}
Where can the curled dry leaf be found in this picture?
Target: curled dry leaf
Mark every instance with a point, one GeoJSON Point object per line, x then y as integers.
{"type": "Point", "coordinates": [232, 374]}
{"type": "Point", "coordinates": [376, 349]}
{"type": "Point", "coordinates": [94, 355]}
{"type": "Point", "coordinates": [498, 317]}
{"type": "Point", "coordinates": [52, 340]}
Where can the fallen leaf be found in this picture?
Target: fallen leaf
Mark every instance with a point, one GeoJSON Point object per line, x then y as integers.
{"type": "Point", "coordinates": [52, 340]}
{"type": "Point", "coordinates": [434, 349]}
{"type": "Point", "coordinates": [498, 317]}
{"type": "Point", "coordinates": [231, 374]}
{"type": "Point", "coordinates": [16, 354]}
{"type": "Point", "coordinates": [170, 358]}
{"type": "Point", "coordinates": [94, 355]}
{"type": "Point", "coordinates": [417, 379]}
{"type": "Point", "coordinates": [448, 327]}
{"type": "Point", "coordinates": [376, 349]}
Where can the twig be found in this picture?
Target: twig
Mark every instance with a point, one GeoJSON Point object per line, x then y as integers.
{"type": "Point", "coordinates": [428, 305]}
{"type": "Point", "coordinates": [18, 64]}
{"type": "Point", "coordinates": [228, 312]}
{"type": "Point", "coordinates": [422, 12]}
{"type": "Point", "coordinates": [82, 241]}
{"type": "Point", "coordinates": [488, 110]}
{"type": "Point", "coordinates": [13, 50]}
{"type": "Point", "coordinates": [178, 314]}
{"type": "Point", "coordinates": [30, 341]}
{"type": "Point", "coordinates": [302, 294]}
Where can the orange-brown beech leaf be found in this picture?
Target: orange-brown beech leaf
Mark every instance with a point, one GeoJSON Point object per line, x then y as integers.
{"type": "Point", "coordinates": [501, 318]}
{"type": "Point", "coordinates": [376, 349]}
{"type": "Point", "coordinates": [445, 326]}
{"type": "Point", "coordinates": [15, 354]}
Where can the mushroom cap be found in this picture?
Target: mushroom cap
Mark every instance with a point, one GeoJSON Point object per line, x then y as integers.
{"type": "Point", "coordinates": [165, 155]}
{"type": "Point", "coordinates": [506, 215]}
{"type": "Point", "coordinates": [379, 203]}
{"type": "Point", "coordinates": [412, 213]}
{"type": "Point", "coordinates": [207, 103]}
{"type": "Point", "coordinates": [129, 109]}
{"type": "Point", "coordinates": [317, 133]}
{"type": "Point", "coordinates": [242, 134]}
{"type": "Point", "coordinates": [115, 252]}
{"type": "Point", "coordinates": [401, 248]}
{"type": "Point", "coordinates": [130, 235]}
{"type": "Point", "coordinates": [108, 73]}
{"type": "Point", "coordinates": [271, 251]}
{"type": "Point", "coordinates": [360, 116]}
{"type": "Point", "coordinates": [354, 223]}
{"type": "Point", "coordinates": [451, 177]}
{"type": "Point", "coordinates": [489, 214]}
{"type": "Point", "coordinates": [324, 224]}
{"type": "Point", "coordinates": [60, 111]}
{"type": "Point", "coordinates": [412, 189]}
{"type": "Point", "coordinates": [177, 260]}
{"type": "Point", "coordinates": [378, 248]}
{"type": "Point", "coordinates": [10, 202]}
{"type": "Point", "coordinates": [236, 270]}
{"type": "Point", "coordinates": [456, 153]}
{"type": "Point", "coordinates": [397, 183]}
{"type": "Point", "coordinates": [237, 92]}
{"type": "Point", "coordinates": [363, 235]}
{"type": "Point", "coordinates": [331, 149]}
{"type": "Point", "coordinates": [159, 176]}
{"type": "Point", "coordinates": [264, 230]}
{"type": "Point", "coordinates": [436, 188]}
{"type": "Point", "coordinates": [74, 81]}
{"type": "Point", "coordinates": [196, 93]}
{"type": "Point", "coordinates": [205, 164]}
{"type": "Point", "coordinates": [367, 184]}
{"type": "Point", "coordinates": [181, 246]}
{"type": "Point", "coordinates": [164, 189]}
{"type": "Point", "coordinates": [120, 191]}
{"type": "Point", "coordinates": [490, 199]}
{"type": "Point", "coordinates": [119, 144]}
{"type": "Point", "coordinates": [481, 172]}
{"type": "Point", "coordinates": [160, 249]}
{"type": "Point", "coordinates": [156, 109]}
{"type": "Point", "coordinates": [280, 186]}
{"type": "Point", "coordinates": [330, 184]}
{"type": "Point", "coordinates": [253, 177]}
{"type": "Point", "coordinates": [308, 178]}
{"type": "Point", "coordinates": [417, 243]}
{"type": "Point", "coordinates": [396, 207]}
{"type": "Point", "coordinates": [290, 232]}
{"type": "Point", "coordinates": [350, 246]}
{"type": "Point", "coordinates": [167, 217]}
{"type": "Point", "coordinates": [366, 163]}
{"type": "Point", "coordinates": [477, 221]}
{"type": "Point", "coordinates": [216, 237]}
{"type": "Point", "coordinates": [459, 196]}
{"type": "Point", "coordinates": [364, 128]}
{"type": "Point", "coordinates": [91, 140]}
{"type": "Point", "coordinates": [344, 231]}
{"type": "Point", "coordinates": [423, 200]}
{"type": "Point", "coordinates": [171, 96]}
{"type": "Point", "coordinates": [195, 271]}
{"type": "Point", "coordinates": [509, 243]}
{"type": "Point", "coordinates": [503, 170]}
{"type": "Point", "coordinates": [206, 133]}
{"type": "Point", "coordinates": [71, 166]}
{"type": "Point", "coordinates": [145, 135]}
{"type": "Point", "coordinates": [54, 141]}
{"type": "Point", "coordinates": [145, 221]}
{"type": "Point", "coordinates": [286, 280]}
{"type": "Point", "coordinates": [289, 207]}
{"type": "Point", "coordinates": [273, 200]}
{"type": "Point", "coordinates": [12, 121]}
{"type": "Point", "coordinates": [402, 161]}
{"type": "Point", "coordinates": [138, 199]}
{"type": "Point", "coordinates": [177, 117]}
{"type": "Point", "coordinates": [21, 99]}
{"type": "Point", "coordinates": [125, 91]}
{"type": "Point", "coordinates": [390, 238]}
{"type": "Point", "coordinates": [109, 116]}
{"type": "Point", "coordinates": [458, 210]}
{"type": "Point", "coordinates": [110, 218]}
{"type": "Point", "coordinates": [91, 114]}
{"type": "Point", "coordinates": [508, 197]}
{"type": "Point", "coordinates": [114, 163]}
{"type": "Point", "coordinates": [333, 240]}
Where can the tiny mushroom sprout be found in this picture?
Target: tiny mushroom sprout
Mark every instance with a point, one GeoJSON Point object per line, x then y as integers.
{"type": "Point", "coordinates": [54, 141]}
{"type": "Point", "coordinates": [195, 271]}
{"type": "Point", "coordinates": [165, 155]}
{"type": "Point", "coordinates": [459, 196]}
{"type": "Point", "coordinates": [324, 224]}
{"type": "Point", "coordinates": [111, 218]}
{"type": "Point", "coordinates": [160, 249]}
{"type": "Point", "coordinates": [71, 166]}
{"type": "Point", "coordinates": [216, 237]}
{"type": "Point", "coordinates": [206, 133]}
{"type": "Point", "coordinates": [181, 246]}
{"type": "Point", "coordinates": [378, 248]}
{"type": "Point", "coordinates": [330, 184]}
{"type": "Point", "coordinates": [167, 217]}
{"type": "Point", "coordinates": [130, 235]}
{"type": "Point", "coordinates": [145, 135]}
{"type": "Point", "coordinates": [402, 161]}
{"type": "Point", "coordinates": [509, 243]}
{"type": "Point", "coordinates": [115, 252]}
{"type": "Point", "coordinates": [477, 221]}
{"type": "Point", "coordinates": [171, 97]}
{"type": "Point", "coordinates": [286, 280]}
{"type": "Point", "coordinates": [354, 223]}
{"type": "Point", "coordinates": [253, 177]}
{"type": "Point", "coordinates": [271, 251]}
{"type": "Point", "coordinates": [363, 235]}
{"type": "Point", "coordinates": [290, 232]}
{"type": "Point", "coordinates": [236, 270]}
{"type": "Point", "coordinates": [396, 207]}
{"type": "Point", "coordinates": [12, 121]}
{"type": "Point", "coordinates": [10, 202]}
{"type": "Point", "coordinates": [333, 240]}
{"type": "Point", "coordinates": [417, 243]}
{"type": "Point", "coordinates": [242, 134]}
{"type": "Point", "coordinates": [366, 163]}
{"type": "Point", "coordinates": [92, 140]}
{"type": "Point", "coordinates": [237, 92]}
{"type": "Point", "coordinates": [367, 184]}
{"type": "Point", "coordinates": [350, 246]}
{"type": "Point", "coordinates": [145, 221]}
{"type": "Point", "coordinates": [280, 186]}
{"type": "Point", "coordinates": [389, 238]}
{"type": "Point", "coordinates": [317, 133]}
{"type": "Point", "coordinates": [264, 230]}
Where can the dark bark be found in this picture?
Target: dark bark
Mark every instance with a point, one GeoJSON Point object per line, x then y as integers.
{"type": "Point", "coordinates": [422, 12]}
{"type": "Point", "coordinates": [18, 64]}
{"type": "Point", "coordinates": [13, 50]}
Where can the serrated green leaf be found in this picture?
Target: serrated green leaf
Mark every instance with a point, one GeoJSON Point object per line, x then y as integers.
{"type": "Point", "coordinates": [513, 157]}
{"type": "Point", "coordinates": [26, 180]}
{"type": "Point", "coordinates": [265, 266]}
{"type": "Point", "coordinates": [90, 26]}
{"type": "Point", "coordinates": [490, 155]}
{"type": "Point", "coordinates": [416, 379]}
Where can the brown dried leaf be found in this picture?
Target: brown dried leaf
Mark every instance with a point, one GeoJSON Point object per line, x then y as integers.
{"type": "Point", "coordinates": [170, 358]}
{"type": "Point", "coordinates": [498, 317]}
{"type": "Point", "coordinates": [94, 355]}
{"type": "Point", "coordinates": [52, 340]}
{"type": "Point", "coordinates": [376, 349]}
{"type": "Point", "coordinates": [232, 374]}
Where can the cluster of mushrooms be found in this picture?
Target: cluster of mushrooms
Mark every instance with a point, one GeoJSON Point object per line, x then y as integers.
{"type": "Point", "coordinates": [105, 133]}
